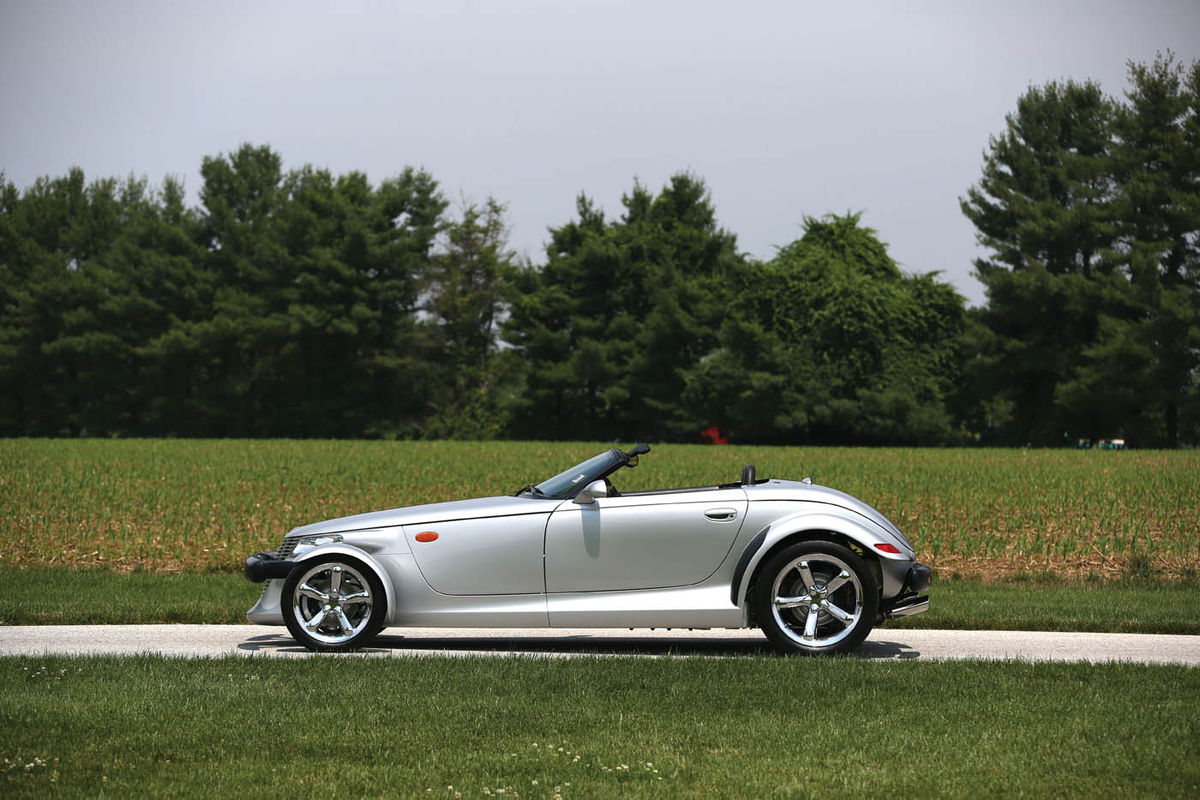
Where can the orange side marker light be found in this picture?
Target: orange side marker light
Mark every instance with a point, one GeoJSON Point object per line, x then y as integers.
{"type": "Point", "coordinates": [426, 536]}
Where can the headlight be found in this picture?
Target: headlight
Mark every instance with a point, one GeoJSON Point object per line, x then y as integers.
{"type": "Point", "coordinates": [306, 543]}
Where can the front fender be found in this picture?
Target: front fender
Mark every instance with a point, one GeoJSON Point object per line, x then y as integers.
{"type": "Point", "coordinates": [859, 530]}
{"type": "Point", "coordinates": [342, 549]}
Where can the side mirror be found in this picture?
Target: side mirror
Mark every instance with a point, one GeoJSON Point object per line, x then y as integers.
{"type": "Point", "coordinates": [590, 492]}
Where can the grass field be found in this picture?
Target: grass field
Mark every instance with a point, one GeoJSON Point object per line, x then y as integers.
{"type": "Point", "coordinates": [202, 506]}
{"type": "Point", "coordinates": [613, 727]}
{"type": "Point", "coordinates": [43, 596]}
{"type": "Point", "coordinates": [153, 531]}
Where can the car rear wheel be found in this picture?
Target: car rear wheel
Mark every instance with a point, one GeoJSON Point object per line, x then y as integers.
{"type": "Point", "coordinates": [816, 598]}
{"type": "Point", "coordinates": [333, 603]}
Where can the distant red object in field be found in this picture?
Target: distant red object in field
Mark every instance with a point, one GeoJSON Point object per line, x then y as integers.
{"type": "Point", "coordinates": [712, 435]}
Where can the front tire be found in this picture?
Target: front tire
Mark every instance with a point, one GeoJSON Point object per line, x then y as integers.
{"type": "Point", "coordinates": [333, 603]}
{"type": "Point", "coordinates": [816, 598]}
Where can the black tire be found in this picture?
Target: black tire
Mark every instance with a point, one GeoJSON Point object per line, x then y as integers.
{"type": "Point", "coordinates": [798, 619]}
{"type": "Point", "coordinates": [364, 615]}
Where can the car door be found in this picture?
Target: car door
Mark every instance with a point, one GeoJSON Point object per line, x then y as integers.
{"type": "Point", "coordinates": [641, 541]}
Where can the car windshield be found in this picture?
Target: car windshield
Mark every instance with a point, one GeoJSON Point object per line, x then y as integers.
{"type": "Point", "coordinates": [567, 483]}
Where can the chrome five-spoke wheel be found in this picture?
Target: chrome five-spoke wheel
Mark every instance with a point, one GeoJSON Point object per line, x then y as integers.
{"type": "Point", "coordinates": [335, 603]}
{"type": "Point", "coordinates": [816, 597]}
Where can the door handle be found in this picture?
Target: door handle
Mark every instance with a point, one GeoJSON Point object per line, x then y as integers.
{"type": "Point", "coordinates": [721, 514]}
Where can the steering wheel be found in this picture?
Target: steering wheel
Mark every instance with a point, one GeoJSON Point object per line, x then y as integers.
{"type": "Point", "coordinates": [748, 475]}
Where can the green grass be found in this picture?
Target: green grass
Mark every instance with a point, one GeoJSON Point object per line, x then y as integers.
{"type": "Point", "coordinates": [95, 597]}
{"type": "Point", "coordinates": [154, 531]}
{"type": "Point", "coordinates": [613, 727]}
{"type": "Point", "coordinates": [64, 597]}
{"type": "Point", "coordinates": [1116, 607]}
{"type": "Point", "coordinates": [202, 506]}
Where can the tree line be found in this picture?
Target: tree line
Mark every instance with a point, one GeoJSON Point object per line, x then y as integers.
{"type": "Point", "coordinates": [303, 303]}
{"type": "Point", "coordinates": [1090, 210]}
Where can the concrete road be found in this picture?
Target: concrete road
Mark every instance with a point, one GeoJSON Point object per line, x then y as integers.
{"type": "Point", "coordinates": [883, 644]}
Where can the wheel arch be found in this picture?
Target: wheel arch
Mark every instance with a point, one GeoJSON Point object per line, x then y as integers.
{"type": "Point", "coordinates": [358, 555]}
{"type": "Point", "coordinates": [808, 528]}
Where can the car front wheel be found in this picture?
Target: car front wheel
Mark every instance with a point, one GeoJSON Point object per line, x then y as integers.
{"type": "Point", "coordinates": [333, 603]}
{"type": "Point", "coordinates": [816, 598]}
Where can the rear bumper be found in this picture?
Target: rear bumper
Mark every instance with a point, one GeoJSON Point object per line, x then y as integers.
{"type": "Point", "coordinates": [912, 598]}
{"type": "Point", "coordinates": [264, 566]}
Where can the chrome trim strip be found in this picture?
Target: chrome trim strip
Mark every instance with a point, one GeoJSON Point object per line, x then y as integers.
{"type": "Point", "coordinates": [917, 606]}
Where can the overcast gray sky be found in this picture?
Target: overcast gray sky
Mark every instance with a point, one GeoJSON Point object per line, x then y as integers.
{"type": "Point", "coordinates": [784, 108]}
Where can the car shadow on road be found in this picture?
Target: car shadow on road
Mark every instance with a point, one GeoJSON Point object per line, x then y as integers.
{"type": "Point", "coordinates": [569, 645]}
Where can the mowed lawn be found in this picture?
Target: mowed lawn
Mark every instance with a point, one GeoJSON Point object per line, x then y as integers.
{"type": "Point", "coordinates": [604, 727]}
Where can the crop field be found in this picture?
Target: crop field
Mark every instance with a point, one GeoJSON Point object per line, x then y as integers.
{"type": "Point", "coordinates": [202, 506]}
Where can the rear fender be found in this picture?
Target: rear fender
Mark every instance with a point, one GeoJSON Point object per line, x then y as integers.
{"type": "Point", "coordinates": [366, 558]}
{"type": "Point", "coordinates": [806, 527]}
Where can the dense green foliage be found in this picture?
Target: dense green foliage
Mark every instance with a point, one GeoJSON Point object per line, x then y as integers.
{"type": "Point", "coordinates": [617, 314]}
{"type": "Point", "coordinates": [284, 307]}
{"type": "Point", "coordinates": [476, 727]}
{"type": "Point", "coordinates": [1090, 208]}
{"type": "Point", "coordinates": [829, 343]}
{"type": "Point", "coordinates": [308, 304]}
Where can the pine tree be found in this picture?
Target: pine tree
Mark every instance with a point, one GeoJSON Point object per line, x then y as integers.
{"type": "Point", "coordinates": [1043, 208]}
{"type": "Point", "coordinates": [618, 313]}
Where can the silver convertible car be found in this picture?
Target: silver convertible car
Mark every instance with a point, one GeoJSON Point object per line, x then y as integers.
{"type": "Point", "coordinates": [813, 567]}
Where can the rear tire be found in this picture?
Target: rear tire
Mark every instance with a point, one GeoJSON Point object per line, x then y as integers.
{"type": "Point", "coordinates": [816, 598]}
{"type": "Point", "coordinates": [333, 603]}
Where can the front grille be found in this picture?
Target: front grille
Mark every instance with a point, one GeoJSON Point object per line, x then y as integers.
{"type": "Point", "coordinates": [285, 549]}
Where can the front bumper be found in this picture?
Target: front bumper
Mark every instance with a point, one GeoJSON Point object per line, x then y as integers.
{"type": "Point", "coordinates": [268, 610]}
{"type": "Point", "coordinates": [265, 566]}
{"type": "Point", "coordinates": [912, 598]}
{"type": "Point", "coordinates": [269, 567]}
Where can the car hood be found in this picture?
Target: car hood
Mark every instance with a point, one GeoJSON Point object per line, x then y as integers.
{"type": "Point", "coordinates": [432, 512]}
